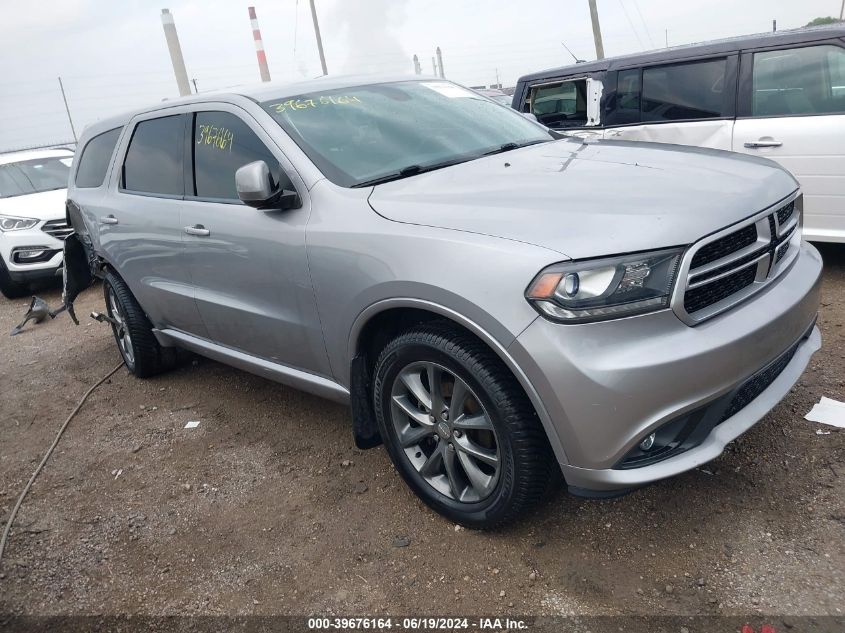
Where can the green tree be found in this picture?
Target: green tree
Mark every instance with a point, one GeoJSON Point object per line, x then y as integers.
{"type": "Point", "coordinates": [822, 21]}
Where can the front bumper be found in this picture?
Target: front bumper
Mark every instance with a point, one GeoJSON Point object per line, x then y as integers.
{"type": "Point", "coordinates": [31, 239]}
{"type": "Point", "coordinates": [607, 385]}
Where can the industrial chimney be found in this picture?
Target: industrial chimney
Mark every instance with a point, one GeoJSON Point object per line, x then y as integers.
{"type": "Point", "coordinates": [259, 46]}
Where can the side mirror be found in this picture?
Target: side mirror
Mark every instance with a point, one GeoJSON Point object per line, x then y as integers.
{"type": "Point", "coordinates": [530, 116]}
{"type": "Point", "coordinates": [256, 188]}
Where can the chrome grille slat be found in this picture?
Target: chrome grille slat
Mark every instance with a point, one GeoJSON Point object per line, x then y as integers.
{"type": "Point", "coordinates": [57, 228]}
{"type": "Point", "coordinates": [714, 274]}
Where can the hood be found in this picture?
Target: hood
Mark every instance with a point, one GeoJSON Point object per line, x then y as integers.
{"type": "Point", "coordinates": [590, 198]}
{"type": "Point", "coordinates": [47, 205]}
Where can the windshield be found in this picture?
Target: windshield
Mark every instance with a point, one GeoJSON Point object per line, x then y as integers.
{"type": "Point", "coordinates": [34, 176]}
{"type": "Point", "coordinates": [370, 133]}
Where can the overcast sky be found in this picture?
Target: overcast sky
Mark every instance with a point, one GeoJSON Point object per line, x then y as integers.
{"type": "Point", "coordinates": [112, 55]}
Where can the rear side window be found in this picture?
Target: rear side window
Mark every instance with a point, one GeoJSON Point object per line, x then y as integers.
{"type": "Point", "coordinates": [560, 105]}
{"type": "Point", "coordinates": [628, 96]}
{"type": "Point", "coordinates": [676, 92]}
{"type": "Point", "coordinates": [95, 159]}
{"type": "Point", "coordinates": [809, 80]}
{"type": "Point", "coordinates": [154, 159]}
{"type": "Point", "coordinates": [222, 144]}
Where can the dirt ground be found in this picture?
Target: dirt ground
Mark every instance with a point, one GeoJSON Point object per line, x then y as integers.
{"type": "Point", "coordinates": [268, 508]}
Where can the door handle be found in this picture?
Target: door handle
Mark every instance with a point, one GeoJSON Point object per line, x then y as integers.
{"type": "Point", "coordinates": [108, 219]}
{"type": "Point", "coordinates": [756, 144]}
{"type": "Point", "coordinates": [197, 229]}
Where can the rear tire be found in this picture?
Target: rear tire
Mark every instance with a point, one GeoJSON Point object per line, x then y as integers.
{"type": "Point", "coordinates": [494, 462]}
{"type": "Point", "coordinates": [141, 352]}
{"type": "Point", "coordinates": [11, 289]}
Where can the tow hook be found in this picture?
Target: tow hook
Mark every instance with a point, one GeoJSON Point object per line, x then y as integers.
{"type": "Point", "coordinates": [104, 318]}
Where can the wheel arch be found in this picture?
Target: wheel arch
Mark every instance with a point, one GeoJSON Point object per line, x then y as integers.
{"type": "Point", "coordinates": [379, 322]}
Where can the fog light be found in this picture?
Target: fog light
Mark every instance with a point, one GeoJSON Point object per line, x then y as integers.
{"type": "Point", "coordinates": [647, 443]}
{"type": "Point", "coordinates": [29, 254]}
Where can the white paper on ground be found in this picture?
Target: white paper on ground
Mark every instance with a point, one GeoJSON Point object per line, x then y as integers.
{"type": "Point", "coordinates": [192, 424]}
{"type": "Point", "coordinates": [828, 411]}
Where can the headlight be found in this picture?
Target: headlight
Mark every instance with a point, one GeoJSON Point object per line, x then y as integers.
{"type": "Point", "coordinates": [13, 223]}
{"type": "Point", "coordinates": [607, 288]}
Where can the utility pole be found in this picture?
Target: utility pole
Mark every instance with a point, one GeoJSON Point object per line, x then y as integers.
{"type": "Point", "coordinates": [319, 38]}
{"type": "Point", "coordinates": [196, 90]}
{"type": "Point", "coordinates": [417, 69]}
{"type": "Point", "coordinates": [440, 62]}
{"type": "Point", "coordinates": [263, 69]}
{"type": "Point", "coordinates": [434, 66]}
{"type": "Point", "coordinates": [498, 84]}
{"type": "Point", "coordinates": [667, 38]}
{"type": "Point", "coordinates": [594, 16]}
{"type": "Point", "coordinates": [842, 11]}
{"type": "Point", "coordinates": [774, 26]}
{"type": "Point", "coordinates": [67, 109]}
{"type": "Point", "coordinates": [175, 52]}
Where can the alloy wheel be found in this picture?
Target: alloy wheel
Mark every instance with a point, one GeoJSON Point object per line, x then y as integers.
{"type": "Point", "coordinates": [121, 331]}
{"type": "Point", "coordinates": [445, 432]}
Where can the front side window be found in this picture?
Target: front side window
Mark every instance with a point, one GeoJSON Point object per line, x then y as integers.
{"type": "Point", "coordinates": [222, 144]}
{"type": "Point", "coordinates": [560, 105]}
{"type": "Point", "coordinates": [95, 158]}
{"type": "Point", "coordinates": [809, 80]}
{"type": "Point", "coordinates": [362, 134]}
{"type": "Point", "coordinates": [34, 176]}
{"type": "Point", "coordinates": [154, 159]}
{"type": "Point", "coordinates": [693, 90]}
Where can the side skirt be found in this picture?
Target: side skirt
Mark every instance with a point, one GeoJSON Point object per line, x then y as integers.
{"type": "Point", "coordinates": [295, 378]}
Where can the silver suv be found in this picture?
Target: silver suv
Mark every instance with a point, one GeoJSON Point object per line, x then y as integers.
{"type": "Point", "coordinates": [499, 304]}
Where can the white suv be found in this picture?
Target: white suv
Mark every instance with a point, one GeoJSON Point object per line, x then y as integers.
{"type": "Point", "coordinates": [33, 190]}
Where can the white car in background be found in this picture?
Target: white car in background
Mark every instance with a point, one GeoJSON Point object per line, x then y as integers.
{"type": "Point", "coordinates": [33, 225]}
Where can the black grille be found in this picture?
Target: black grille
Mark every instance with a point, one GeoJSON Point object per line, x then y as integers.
{"type": "Point", "coordinates": [782, 251]}
{"type": "Point", "coordinates": [784, 213]}
{"type": "Point", "coordinates": [725, 246]}
{"type": "Point", "coordinates": [57, 228]}
{"type": "Point", "coordinates": [703, 296]}
{"type": "Point", "coordinates": [758, 383]}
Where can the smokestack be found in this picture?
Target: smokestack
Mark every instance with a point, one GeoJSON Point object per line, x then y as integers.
{"type": "Point", "coordinates": [417, 69]}
{"type": "Point", "coordinates": [175, 52]}
{"type": "Point", "coordinates": [259, 46]}
{"type": "Point", "coordinates": [440, 62]}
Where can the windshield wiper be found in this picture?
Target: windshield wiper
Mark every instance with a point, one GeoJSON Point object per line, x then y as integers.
{"type": "Point", "coordinates": [507, 147]}
{"type": "Point", "coordinates": [410, 170]}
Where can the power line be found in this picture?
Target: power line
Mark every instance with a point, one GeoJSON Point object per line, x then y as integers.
{"type": "Point", "coordinates": [628, 17]}
{"type": "Point", "coordinates": [645, 24]}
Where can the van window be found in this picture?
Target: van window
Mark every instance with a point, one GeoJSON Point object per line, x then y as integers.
{"type": "Point", "coordinates": [95, 159]}
{"type": "Point", "coordinates": [809, 80]}
{"type": "Point", "coordinates": [223, 143]}
{"type": "Point", "coordinates": [627, 108]}
{"type": "Point", "coordinates": [560, 104]}
{"type": "Point", "coordinates": [693, 90]}
{"type": "Point", "coordinates": [154, 159]}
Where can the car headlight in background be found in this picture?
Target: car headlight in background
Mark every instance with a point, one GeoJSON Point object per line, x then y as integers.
{"type": "Point", "coordinates": [14, 223]}
{"type": "Point", "coordinates": [607, 288]}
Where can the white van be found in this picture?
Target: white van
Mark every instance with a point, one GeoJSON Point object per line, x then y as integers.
{"type": "Point", "coordinates": [778, 95]}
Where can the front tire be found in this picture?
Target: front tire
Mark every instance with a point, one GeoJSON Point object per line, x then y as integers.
{"type": "Point", "coordinates": [459, 428]}
{"type": "Point", "coordinates": [11, 289]}
{"type": "Point", "coordinates": [133, 332]}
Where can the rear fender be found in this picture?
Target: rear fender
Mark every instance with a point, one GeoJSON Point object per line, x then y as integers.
{"type": "Point", "coordinates": [81, 262]}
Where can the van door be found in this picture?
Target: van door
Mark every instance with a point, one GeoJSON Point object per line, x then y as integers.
{"type": "Point", "coordinates": [570, 106]}
{"type": "Point", "coordinates": [687, 103]}
{"type": "Point", "coordinates": [793, 111]}
{"type": "Point", "coordinates": [249, 267]}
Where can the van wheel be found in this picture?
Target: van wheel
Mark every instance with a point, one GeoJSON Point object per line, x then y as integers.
{"type": "Point", "coordinates": [459, 428]}
{"type": "Point", "coordinates": [133, 331]}
{"type": "Point", "coordinates": [11, 289]}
